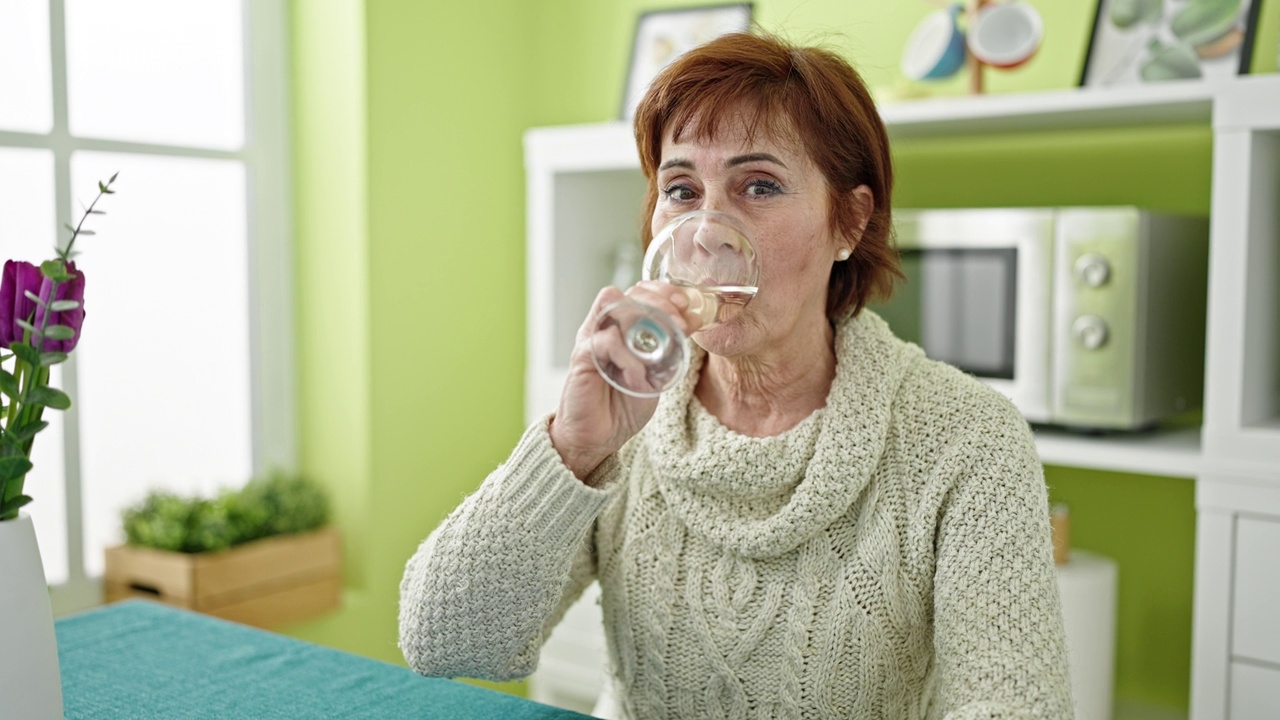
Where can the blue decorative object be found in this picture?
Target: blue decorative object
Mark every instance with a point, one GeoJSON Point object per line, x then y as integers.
{"type": "Point", "coordinates": [936, 48]}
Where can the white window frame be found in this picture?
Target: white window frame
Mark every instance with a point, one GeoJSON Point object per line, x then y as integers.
{"type": "Point", "coordinates": [266, 158]}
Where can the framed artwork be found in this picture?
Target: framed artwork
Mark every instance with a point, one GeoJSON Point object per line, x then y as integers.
{"type": "Point", "coordinates": [1146, 41]}
{"type": "Point", "coordinates": [664, 35]}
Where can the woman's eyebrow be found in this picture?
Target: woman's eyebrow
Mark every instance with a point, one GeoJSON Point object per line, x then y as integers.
{"type": "Point", "coordinates": [731, 162]}
{"type": "Point", "coordinates": [754, 157]}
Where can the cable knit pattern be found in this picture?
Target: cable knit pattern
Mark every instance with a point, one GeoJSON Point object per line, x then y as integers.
{"type": "Point", "coordinates": [888, 557]}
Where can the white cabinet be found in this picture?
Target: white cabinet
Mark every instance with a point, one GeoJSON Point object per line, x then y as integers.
{"type": "Point", "coordinates": [1255, 622]}
{"type": "Point", "coordinates": [585, 192]}
{"type": "Point", "coordinates": [1236, 652]}
{"type": "Point", "coordinates": [1255, 692]}
{"type": "Point", "coordinates": [1236, 661]}
{"type": "Point", "coordinates": [585, 196]}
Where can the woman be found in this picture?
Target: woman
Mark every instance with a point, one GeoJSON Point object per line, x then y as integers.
{"type": "Point", "coordinates": [818, 522]}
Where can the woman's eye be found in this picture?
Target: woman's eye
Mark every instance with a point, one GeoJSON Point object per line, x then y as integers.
{"type": "Point", "coordinates": [762, 188]}
{"type": "Point", "coordinates": [679, 193]}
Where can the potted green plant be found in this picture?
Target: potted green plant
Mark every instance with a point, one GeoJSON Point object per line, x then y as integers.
{"type": "Point", "coordinates": [263, 555]}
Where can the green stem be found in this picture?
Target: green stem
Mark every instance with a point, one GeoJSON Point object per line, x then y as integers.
{"type": "Point", "coordinates": [65, 254]}
{"type": "Point", "coordinates": [36, 412]}
{"type": "Point", "coordinates": [28, 377]}
{"type": "Point", "coordinates": [11, 414]}
{"type": "Point", "coordinates": [18, 366]}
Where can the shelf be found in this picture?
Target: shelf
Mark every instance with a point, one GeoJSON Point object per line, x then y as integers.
{"type": "Point", "coordinates": [1171, 453]}
{"type": "Point", "coordinates": [578, 148]}
{"type": "Point", "coordinates": [1167, 103]}
{"type": "Point", "coordinates": [1170, 103]}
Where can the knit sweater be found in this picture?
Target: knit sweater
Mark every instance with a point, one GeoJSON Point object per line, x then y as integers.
{"type": "Point", "coordinates": [888, 557]}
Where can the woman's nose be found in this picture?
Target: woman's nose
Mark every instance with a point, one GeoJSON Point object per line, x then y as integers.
{"type": "Point", "coordinates": [716, 238]}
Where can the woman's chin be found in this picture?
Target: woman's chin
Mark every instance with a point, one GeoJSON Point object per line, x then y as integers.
{"type": "Point", "coordinates": [724, 340]}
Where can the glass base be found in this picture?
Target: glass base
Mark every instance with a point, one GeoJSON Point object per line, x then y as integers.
{"type": "Point", "coordinates": [639, 349]}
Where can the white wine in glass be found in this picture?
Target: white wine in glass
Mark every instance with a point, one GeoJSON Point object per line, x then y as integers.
{"type": "Point", "coordinates": [639, 349]}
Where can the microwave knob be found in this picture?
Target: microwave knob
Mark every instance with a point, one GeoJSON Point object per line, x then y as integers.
{"type": "Point", "coordinates": [1090, 331]}
{"type": "Point", "coordinates": [1093, 269]}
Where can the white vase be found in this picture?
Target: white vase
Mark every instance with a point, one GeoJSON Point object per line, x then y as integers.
{"type": "Point", "coordinates": [30, 683]}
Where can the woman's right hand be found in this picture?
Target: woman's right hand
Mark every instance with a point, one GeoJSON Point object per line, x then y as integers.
{"type": "Point", "coordinates": [595, 419]}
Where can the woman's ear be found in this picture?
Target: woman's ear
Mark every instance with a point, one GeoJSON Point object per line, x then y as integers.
{"type": "Point", "coordinates": [864, 204]}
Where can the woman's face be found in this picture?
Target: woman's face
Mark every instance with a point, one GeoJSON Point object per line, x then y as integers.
{"type": "Point", "coordinates": [780, 195]}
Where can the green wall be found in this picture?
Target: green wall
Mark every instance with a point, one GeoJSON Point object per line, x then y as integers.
{"type": "Point", "coordinates": [410, 266]}
{"type": "Point", "coordinates": [409, 203]}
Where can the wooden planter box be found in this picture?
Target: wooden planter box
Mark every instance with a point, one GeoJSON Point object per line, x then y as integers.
{"type": "Point", "coordinates": [265, 583]}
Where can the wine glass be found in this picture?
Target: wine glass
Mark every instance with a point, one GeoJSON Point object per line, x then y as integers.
{"type": "Point", "coordinates": [639, 349]}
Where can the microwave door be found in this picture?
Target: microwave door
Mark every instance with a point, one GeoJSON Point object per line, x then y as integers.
{"type": "Point", "coordinates": [983, 309]}
{"type": "Point", "coordinates": [967, 304]}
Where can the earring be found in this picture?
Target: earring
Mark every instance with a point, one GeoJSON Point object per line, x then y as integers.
{"type": "Point", "coordinates": [843, 254]}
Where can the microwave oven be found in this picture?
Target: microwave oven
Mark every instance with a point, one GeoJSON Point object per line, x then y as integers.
{"type": "Point", "coordinates": [1088, 317]}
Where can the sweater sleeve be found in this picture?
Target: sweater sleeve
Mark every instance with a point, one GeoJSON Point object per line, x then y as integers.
{"type": "Point", "coordinates": [483, 590]}
{"type": "Point", "coordinates": [998, 634]}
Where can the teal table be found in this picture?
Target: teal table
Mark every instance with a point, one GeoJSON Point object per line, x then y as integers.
{"type": "Point", "coordinates": [140, 659]}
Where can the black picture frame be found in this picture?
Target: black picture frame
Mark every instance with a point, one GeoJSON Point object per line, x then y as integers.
{"type": "Point", "coordinates": [1161, 41]}
{"type": "Point", "coordinates": [661, 36]}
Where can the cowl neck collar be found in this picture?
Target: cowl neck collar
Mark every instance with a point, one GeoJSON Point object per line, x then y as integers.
{"type": "Point", "coordinates": [762, 497]}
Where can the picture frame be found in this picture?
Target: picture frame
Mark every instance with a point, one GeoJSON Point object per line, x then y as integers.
{"type": "Point", "coordinates": [661, 36]}
{"type": "Point", "coordinates": [1136, 42]}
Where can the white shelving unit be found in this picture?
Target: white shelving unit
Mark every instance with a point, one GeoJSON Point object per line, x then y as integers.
{"type": "Point", "coordinates": [1170, 453]}
{"type": "Point", "coordinates": [585, 192]}
{"type": "Point", "coordinates": [1164, 104]}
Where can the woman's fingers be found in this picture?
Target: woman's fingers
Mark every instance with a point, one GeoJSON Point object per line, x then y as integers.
{"type": "Point", "coordinates": [604, 298]}
{"type": "Point", "coordinates": [619, 362]}
{"type": "Point", "coordinates": [671, 299]}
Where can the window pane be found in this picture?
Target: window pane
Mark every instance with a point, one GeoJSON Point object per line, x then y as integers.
{"type": "Point", "coordinates": [25, 80]}
{"type": "Point", "coordinates": [164, 363]}
{"type": "Point", "coordinates": [27, 227]}
{"type": "Point", "coordinates": [156, 71]}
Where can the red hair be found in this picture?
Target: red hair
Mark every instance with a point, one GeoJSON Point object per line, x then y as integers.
{"type": "Point", "coordinates": [789, 92]}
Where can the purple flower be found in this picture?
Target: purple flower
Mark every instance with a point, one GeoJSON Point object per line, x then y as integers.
{"type": "Point", "coordinates": [23, 277]}
{"type": "Point", "coordinates": [19, 277]}
{"type": "Point", "coordinates": [74, 318]}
